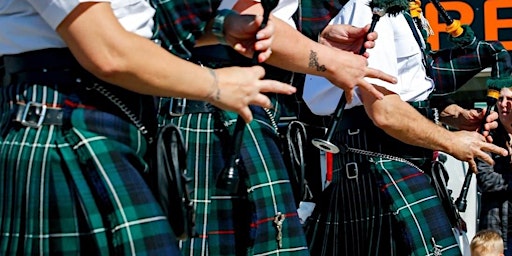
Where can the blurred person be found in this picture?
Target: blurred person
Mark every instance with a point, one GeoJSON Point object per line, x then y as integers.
{"type": "Point", "coordinates": [495, 181]}
{"type": "Point", "coordinates": [487, 243]}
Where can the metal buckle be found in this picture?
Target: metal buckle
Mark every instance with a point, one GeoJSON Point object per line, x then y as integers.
{"type": "Point", "coordinates": [355, 170]}
{"type": "Point", "coordinates": [38, 109]}
{"type": "Point", "coordinates": [177, 106]}
{"type": "Point", "coordinates": [350, 132]}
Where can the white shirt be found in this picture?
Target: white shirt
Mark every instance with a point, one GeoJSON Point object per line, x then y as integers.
{"type": "Point", "coordinates": [28, 25]}
{"type": "Point", "coordinates": [284, 9]}
{"type": "Point", "coordinates": [396, 52]}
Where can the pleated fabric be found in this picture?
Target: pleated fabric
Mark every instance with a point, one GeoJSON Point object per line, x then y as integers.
{"type": "Point", "coordinates": [242, 223]}
{"type": "Point", "coordinates": [77, 188]}
{"type": "Point", "coordinates": [379, 205]}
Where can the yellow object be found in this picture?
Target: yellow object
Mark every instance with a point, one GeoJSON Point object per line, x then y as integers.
{"type": "Point", "coordinates": [415, 8]}
{"type": "Point", "coordinates": [493, 93]}
{"type": "Point", "coordinates": [455, 29]}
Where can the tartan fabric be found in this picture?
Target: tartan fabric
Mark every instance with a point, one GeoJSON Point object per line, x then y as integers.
{"type": "Point", "coordinates": [378, 206]}
{"type": "Point", "coordinates": [418, 208]}
{"type": "Point", "coordinates": [203, 135]}
{"type": "Point", "coordinates": [453, 67]}
{"type": "Point", "coordinates": [75, 188]}
{"type": "Point", "coordinates": [179, 23]}
{"type": "Point", "coordinates": [238, 224]}
{"type": "Point", "coordinates": [314, 15]}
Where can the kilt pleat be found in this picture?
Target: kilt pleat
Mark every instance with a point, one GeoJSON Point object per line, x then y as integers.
{"type": "Point", "coordinates": [351, 218]}
{"type": "Point", "coordinates": [77, 188]}
{"type": "Point", "coordinates": [240, 224]}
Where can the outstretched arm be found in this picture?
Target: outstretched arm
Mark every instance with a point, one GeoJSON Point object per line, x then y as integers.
{"type": "Point", "coordinates": [344, 69]}
{"type": "Point", "coordinates": [401, 121]}
{"type": "Point", "coordinates": [137, 64]}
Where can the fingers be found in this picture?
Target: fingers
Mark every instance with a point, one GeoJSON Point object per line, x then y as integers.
{"type": "Point", "coordinates": [262, 101]}
{"type": "Point", "coordinates": [246, 114]}
{"type": "Point", "coordinates": [267, 31]}
{"type": "Point", "coordinates": [374, 73]}
{"type": "Point", "coordinates": [492, 117]}
{"type": "Point", "coordinates": [372, 36]}
{"type": "Point", "coordinates": [371, 89]}
{"type": "Point", "coordinates": [349, 95]}
{"type": "Point", "coordinates": [473, 166]}
{"type": "Point", "coordinates": [369, 44]}
{"type": "Point", "coordinates": [490, 126]}
{"type": "Point", "coordinates": [496, 150]}
{"type": "Point", "coordinates": [277, 87]}
{"type": "Point", "coordinates": [259, 71]}
{"type": "Point", "coordinates": [265, 55]}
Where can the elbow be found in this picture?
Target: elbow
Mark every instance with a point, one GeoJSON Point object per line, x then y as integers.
{"type": "Point", "coordinates": [381, 119]}
{"type": "Point", "coordinates": [104, 67]}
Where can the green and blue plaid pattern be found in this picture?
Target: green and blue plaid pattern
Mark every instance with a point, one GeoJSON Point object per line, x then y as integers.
{"type": "Point", "coordinates": [180, 23]}
{"type": "Point", "coordinates": [239, 224]}
{"type": "Point", "coordinates": [77, 188]}
{"type": "Point", "coordinates": [314, 15]}
{"type": "Point", "coordinates": [417, 208]}
{"type": "Point", "coordinates": [453, 67]}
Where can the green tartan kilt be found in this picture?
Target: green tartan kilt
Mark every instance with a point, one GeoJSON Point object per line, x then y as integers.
{"type": "Point", "coordinates": [240, 224]}
{"type": "Point", "coordinates": [76, 188]}
{"type": "Point", "coordinates": [379, 205]}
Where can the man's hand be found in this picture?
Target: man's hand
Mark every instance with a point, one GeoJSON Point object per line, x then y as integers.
{"type": "Point", "coordinates": [239, 87]}
{"type": "Point", "coordinates": [348, 38]}
{"type": "Point", "coordinates": [244, 35]}
{"type": "Point", "coordinates": [469, 119]}
{"type": "Point", "coordinates": [466, 146]}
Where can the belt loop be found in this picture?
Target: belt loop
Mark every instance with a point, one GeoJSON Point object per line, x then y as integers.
{"type": "Point", "coordinates": [352, 170]}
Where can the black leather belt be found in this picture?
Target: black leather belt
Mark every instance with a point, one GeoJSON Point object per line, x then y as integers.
{"type": "Point", "coordinates": [181, 106]}
{"type": "Point", "coordinates": [40, 60]}
{"type": "Point", "coordinates": [33, 114]}
{"type": "Point", "coordinates": [58, 69]}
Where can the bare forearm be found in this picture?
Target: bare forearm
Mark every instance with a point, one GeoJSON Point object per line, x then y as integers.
{"type": "Point", "coordinates": [296, 52]}
{"type": "Point", "coordinates": [401, 121]}
{"type": "Point", "coordinates": [130, 61]}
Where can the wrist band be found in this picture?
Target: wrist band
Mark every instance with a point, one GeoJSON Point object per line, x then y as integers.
{"type": "Point", "coordinates": [218, 24]}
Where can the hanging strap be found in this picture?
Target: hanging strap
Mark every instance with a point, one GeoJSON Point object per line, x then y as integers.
{"type": "Point", "coordinates": [420, 42]}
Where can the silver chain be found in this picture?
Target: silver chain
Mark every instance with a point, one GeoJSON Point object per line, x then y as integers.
{"type": "Point", "coordinates": [375, 154]}
{"type": "Point", "coordinates": [120, 104]}
{"type": "Point", "coordinates": [272, 119]}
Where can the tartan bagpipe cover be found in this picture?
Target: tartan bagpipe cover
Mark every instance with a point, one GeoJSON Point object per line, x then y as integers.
{"type": "Point", "coordinates": [451, 68]}
{"type": "Point", "coordinates": [417, 208]}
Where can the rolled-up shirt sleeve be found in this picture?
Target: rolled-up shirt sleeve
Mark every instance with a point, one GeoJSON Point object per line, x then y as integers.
{"type": "Point", "coordinates": [55, 11]}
